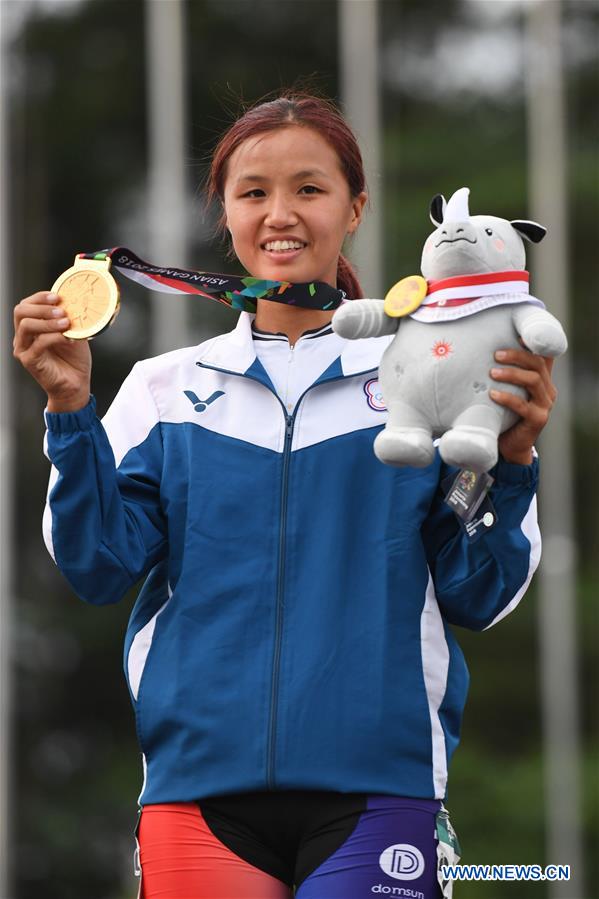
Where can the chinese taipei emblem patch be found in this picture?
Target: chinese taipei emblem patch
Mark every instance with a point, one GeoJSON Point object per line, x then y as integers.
{"type": "Point", "coordinates": [374, 396]}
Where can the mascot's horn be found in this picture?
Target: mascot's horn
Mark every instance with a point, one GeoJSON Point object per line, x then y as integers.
{"type": "Point", "coordinates": [457, 207]}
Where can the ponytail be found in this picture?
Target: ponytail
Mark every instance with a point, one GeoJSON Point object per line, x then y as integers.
{"type": "Point", "coordinates": [347, 279]}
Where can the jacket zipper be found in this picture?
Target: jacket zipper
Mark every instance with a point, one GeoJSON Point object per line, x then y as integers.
{"type": "Point", "coordinates": [289, 426]}
{"type": "Point", "coordinates": [274, 694]}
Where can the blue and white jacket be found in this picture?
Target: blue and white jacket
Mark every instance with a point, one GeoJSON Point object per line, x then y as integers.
{"type": "Point", "coordinates": [293, 630]}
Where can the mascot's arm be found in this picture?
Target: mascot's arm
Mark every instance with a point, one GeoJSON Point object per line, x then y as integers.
{"type": "Point", "coordinates": [363, 318]}
{"type": "Point", "coordinates": [104, 526]}
{"type": "Point", "coordinates": [477, 582]}
{"type": "Point", "coordinates": [541, 332]}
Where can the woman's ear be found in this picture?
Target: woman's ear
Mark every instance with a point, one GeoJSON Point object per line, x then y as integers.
{"type": "Point", "coordinates": [358, 204]}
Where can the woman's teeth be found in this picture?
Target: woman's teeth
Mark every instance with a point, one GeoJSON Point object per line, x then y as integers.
{"type": "Point", "coordinates": [278, 245]}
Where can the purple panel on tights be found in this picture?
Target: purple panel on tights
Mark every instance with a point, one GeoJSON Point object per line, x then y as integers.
{"type": "Point", "coordinates": [392, 851]}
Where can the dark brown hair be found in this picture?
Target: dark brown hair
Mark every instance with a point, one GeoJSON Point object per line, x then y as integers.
{"type": "Point", "coordinates": [295, 108]}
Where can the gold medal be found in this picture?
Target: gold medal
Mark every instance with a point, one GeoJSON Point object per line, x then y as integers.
{"type": "Point", "coordinates": [89, 296]}
{"type": "Point", "coordinates": [405, 296]}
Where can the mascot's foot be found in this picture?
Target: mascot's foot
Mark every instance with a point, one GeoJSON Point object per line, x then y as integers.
{"type": "Point", "coordinates": [469, 447]}
{"type": "Point", "coordinates": [404, 446]}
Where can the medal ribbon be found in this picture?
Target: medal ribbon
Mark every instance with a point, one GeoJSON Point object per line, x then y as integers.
{"type": "Point", "coordinates": [236, 292]}
{"type": "Point", "coordinates": [464, 288]}
{"type": "Point", "coordinates": [448, 299]}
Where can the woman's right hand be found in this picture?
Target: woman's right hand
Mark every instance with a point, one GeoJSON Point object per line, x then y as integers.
{"type": "Point", "coordinates": [62, 367]}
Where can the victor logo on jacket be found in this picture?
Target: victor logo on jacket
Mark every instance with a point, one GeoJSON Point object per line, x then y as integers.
{"type": "Point", "coordinates": [201, 405]}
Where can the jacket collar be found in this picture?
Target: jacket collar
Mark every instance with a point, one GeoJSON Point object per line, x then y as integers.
{"type": "Point", "coordinates": [235, 352]}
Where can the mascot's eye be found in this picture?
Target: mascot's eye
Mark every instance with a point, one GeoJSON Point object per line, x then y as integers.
{"type": "Point", "coordinates": [488, 231]}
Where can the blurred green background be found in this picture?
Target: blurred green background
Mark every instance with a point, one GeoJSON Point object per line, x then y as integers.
{"type": "Point", "coordinates": [451, 74]}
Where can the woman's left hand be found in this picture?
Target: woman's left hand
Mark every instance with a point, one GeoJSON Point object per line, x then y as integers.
{"type": "Point", "coordinates": [534, 374]}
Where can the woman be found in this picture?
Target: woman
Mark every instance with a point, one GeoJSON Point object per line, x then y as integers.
{"type": "Point", "coordinates": [297, 689]}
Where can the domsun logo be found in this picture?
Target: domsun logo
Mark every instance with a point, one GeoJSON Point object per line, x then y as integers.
{"type": "Point", "coordinates": [402, 861]}
{"type": "Point", "coordinates": [404, 892]}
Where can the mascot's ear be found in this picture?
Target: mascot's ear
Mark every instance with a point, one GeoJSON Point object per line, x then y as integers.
{"type": "Point", "coordinates": [530, 230]}
{"type": "Point", "coordinates": [437, 210]}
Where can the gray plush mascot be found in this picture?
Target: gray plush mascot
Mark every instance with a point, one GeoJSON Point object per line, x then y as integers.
{"type": "Point", "coordinates": [434, 375]}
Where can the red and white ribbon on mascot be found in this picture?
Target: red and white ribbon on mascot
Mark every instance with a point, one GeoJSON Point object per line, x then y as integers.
{"type": "Point", "coordinates": [452, 298]}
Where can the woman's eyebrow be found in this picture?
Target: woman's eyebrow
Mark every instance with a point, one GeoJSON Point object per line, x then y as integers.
{"type": "Point", "coordinates": [311, 173]}
{"type": "Point", "coordinates": [250, 178]}
{"type": "Point", "coordinates": [305, 173]}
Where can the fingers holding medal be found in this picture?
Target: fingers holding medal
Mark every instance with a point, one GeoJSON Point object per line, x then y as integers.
{"type": "Point", "coordinates": [83, 302]}
{"type": "Point", "coordinates": [61, 367]}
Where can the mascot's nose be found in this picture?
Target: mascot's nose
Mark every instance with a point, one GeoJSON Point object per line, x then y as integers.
{"type": "Point", "coordinates": [455, 231]}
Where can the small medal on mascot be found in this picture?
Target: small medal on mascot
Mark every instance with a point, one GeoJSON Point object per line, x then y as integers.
{"type": "Point", "coordinates": [405, 296]}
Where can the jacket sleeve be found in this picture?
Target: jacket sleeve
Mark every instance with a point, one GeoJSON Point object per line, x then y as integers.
{"type": "Point", "coordinates": [103, 523]}
{"type": "Point", "coordinates": [478, 582]}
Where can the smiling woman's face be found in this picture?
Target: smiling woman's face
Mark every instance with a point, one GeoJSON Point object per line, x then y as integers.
{"type": "Point", "coordinates": [288, 206]}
